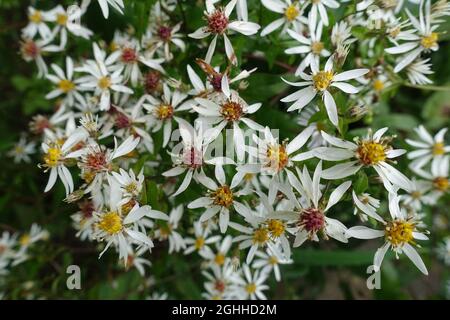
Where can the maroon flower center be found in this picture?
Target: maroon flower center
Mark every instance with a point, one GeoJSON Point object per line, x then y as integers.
{"type": "Point", "coordinates": [86, 208]}
{"type": "Point", "coordinates": [96, 161]}
{"type": "Point", "coordinates": [39, 124]}
{"type": "Point", "coordinates": [129, 55]}
{"type": "Point", "coordinates": [165, 33]}
{"type": "Point", "coordinates": [122, 121]}
{"type": "Point", "coordinates": [152, 79]}
{"type": "Point", "coordinates": [30, 49]}
{"type": "Point", "coordinates": [216, 82]}
{"type": "Point", "coordinates": [219, 285]}
{"type": "Point", "coordinates": [217, 22]}
{"type": "Point", "coordinates": [312, 220]}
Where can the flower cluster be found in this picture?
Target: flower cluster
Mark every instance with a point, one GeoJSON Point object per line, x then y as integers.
{"type": "Point", "coordinates": [137, 138]}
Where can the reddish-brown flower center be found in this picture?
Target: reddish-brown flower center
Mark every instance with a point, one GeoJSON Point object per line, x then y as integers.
{"type": "Point", "coordinates": [152, 79]}
{"type": "Point", "coordinates": [122, 121]}
{"type": "Point", "coordinates": [231, 111]}
{"type": "Point", "coordinates": [165, 33]}
{"type": "Point", "coordinates": [217, 22]}
{"type": "Point", "coordinates": [312, 220]}
{"type": "Point", "coordinates": [96, 161]}
{"type": "Point", "coordinates": [129, 55]}
{"type": "Point", "coordinates": [30, 49]}
{"type": "Point", "coordinates": [192, 157]}
{"type": "Point", "coordinates": [216, 82]}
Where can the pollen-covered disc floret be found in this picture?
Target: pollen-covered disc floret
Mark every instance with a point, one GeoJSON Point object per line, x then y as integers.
{"type": "Point", "coordinates": [371, 152]}
{"type": "Point", "coordinates": [217, 22]}
{"type": "Point", "coordinates": [164, 111]}
{"type": "Point", "coordinates": [312, 220]}
{"type": "Point", "coordinates": [400, 232]}
{"type": "Point", "coordinates": [322, 80]}
{"type": "Point", "coordinates": [222, 196]}
{"type": "Point", "coordinates": [231, 111]}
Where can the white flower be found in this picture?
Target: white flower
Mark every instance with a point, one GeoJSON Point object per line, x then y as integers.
{"type": "Point", "coordinates": [418, 195]}
{"type": "Point", "coordinates": [219, 23]}
{"type": "Point", "coordinates": [270, 261]}
{"type": "Point", "coordinates": [232, 110]}
{"type": "Point", "coordinates": [161, 37]}
{"type": "Point", "coordinates": [365, 203]}
{"type": "Point", "coordinates": [428, 148]}
{"type": "Point", "coordinates": [163, 111]}
{"type": "Point", "coordinates": [65, 85]}
{"type": "Point", "coordinates": [201, 240]}
{"type": "Point", "coordinates": [418, 70]}
{"type": "Point", "coordinates": [131, 56]}
{"type": "Point", "coordinates": [372, 151]}
{"type": "Point", "coordinates": [425, 40]}
{"type": "Point", "coordinates": [55, 157]}
{"type": "Point", "coordinates": [438, 177]}
{"type": "Point", "coordinates": [168, 231]}
{"type": "Point", "coordinates": [35, 234]}
{"type": "Point", "coordinates": [399, 234]}
{"type": "Point", "coordinates": [218, 257]}
{"type": "Point", "coordinates": [292, 15]}
{"type": "Point", "coordinates": [312, 46]}
{"type": "Point", "coordinates": [32, 51]}
{"type": "Point", "coordinates": [101, 80]}
{"type": "Point", "coordinates": [135, 260]}
{"type": "Point", "coordinates": [36, 24]}
{"type": "Point", "coordinates": [22, 150]}
{"type": "Point", "coordinates": [341, 34]}
{"type": "Point", "coordinates": [219, 284]}
{"type": "Point", "coordinates": [131, 186]}
{"type": "Point", "coordinates": [250, 286]}
{"type": "Point", "coordinates": [67, 21]}
{"type": "Point", "coordinates": [319, 82]}
{"type": "Point", "coordinates": [220, 199]}
{"type": "Point", "coordinates": [308, 217]}
{"type": "Point", "coordinates": [83, 220]}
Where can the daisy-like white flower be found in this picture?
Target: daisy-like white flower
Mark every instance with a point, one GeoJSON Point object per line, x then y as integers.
{"type": "Point", "coordinates": [319, 9]}
{"type": "Point", "coordinates": [136, 260]}
{"type": "Point", "coordinates": [219, 24]}
{"type": "Point", "coordinates": [319, 82]}
{"type": "Point", "coordinates": [219, 284]}
{"type": "Point", "coordinates": [122, 230]}
{"type": "Point", "coordinates": [292, 16]}
{"type": "Point", "coordinates": [37, 24]}
{"type": "Point", "coordinates": [400, 233]}
{"type": "Point", "coordinates": [201, 240]}
{"type": "Point", "coordinates": [372, 151]}
{"type": "Point", "coordinates": [255, 237]}
{"type": "Point", "coordinates": [167, 231]}
{"type": "Point", "coordinates": [417, 196]}
{"type": "Point", "coordinates": [219, 199]}
{"type": "Point", "coordinates": [97, 161]}
{"type": "Point", "coordinates": [189, 156]}
{"type": "Point", "coordinates": [131, 56]}
{"type": "Point", "coordinates": [101, 80]}
{"type": "Point", "coordinates": [163, 111]}
{"type": "Point", "coordinates": [55, 157]}
{"type": "Point", "coordinates": [438, 178]}
{"type": "Point", "coordinates": [428, 147]}
{"type": "Point", "coordinates": [270, 261]}
{"type": "Point", "coordinates": [418, 70]}
{"type": "Point", "coordinates": [313, 47]}
{"type": "Point", "coordinates": [367, 202]}
{"type": "Point", "coordinates": [36, 233]}
{"type": "Point", "coordinates": [308, 217]}
{"type": "Point", "coordinates": [425, 38]}
{"type": "Point", "coordinates": [83, 220]}
{"type": "Point", "coordinates": [250, 286]}
{"type": "Point", "coordinates": [161, 37]}
{"type": "Point", "coordinates": [32, 51]}
{"type": "Point", "coordinates": [65, 85]}
{"type": "Point", "coordinates": [22, 150]}
{"type": "Point", "coordinates": [232, 110]}
{"type": "Point", "coordinates": [341, 34]}
{"type": "Point", "coordinates": [67, 22]}
{"type": "Point", "coordinates": [116, 4]}
{"type": "Point", "coordinates": [131, 186]}
{"type": "Point", "coordinates": [219, 256]}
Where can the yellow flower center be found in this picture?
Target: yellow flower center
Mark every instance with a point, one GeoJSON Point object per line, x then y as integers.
{"type": "Point", "coordinates": [291, 12]}
{"type": "Point", "coordinates": [66, 85]}
{"type": "Point", "coordinates": [399, 232]}
{"type": "Point", "coordinates": [277, 156]}
{"type": "Point", "coordinates": [223, 196]}
{"type": "Point", "coordinates": [126, 208]}
{"type": "Point", "coordinates": [88, 176]}
{"type": "Point", "coordinates": [317, 47]}
{"type": "Point", "coordinates": [273, 260]}
{"type": "Point", "coordinates": [260, 236]}
{"type": "Point", "coordinates": [416, 195]}
{"type": "Point", "coordinates": [36, 17]}
{"type": "Point", "coordinates": [378, 85]}
{"type": "Point", "coordinates": [61, 19]}
{"type": "Point", "coordinates": [276, 227]}
{"type": "Point", "coordinates": [104, 83]}
{"type": "Point", "coordinates": [131, 188]}
{"type": "Point", "coordinates": [219, 259]}
{"type": "Point", "coordinates": [371, 153]}
{"type": "Point", "coordinates": [429, 41]}
{"type": "Point", "coordinates": [441, 183]}
{"type": "Point", "coordinates": [25, 239]}
{"type": "Point", "coordinates": [250, 288]}
{"type": "Point", "coordinates": [248, 176]}
{"type": "Point", "coordinates": [164, 111]}
{"type": "Point", "coordinates": [52, 157]}
{"type": "Point", "coordinates": [322, 80]}
{"type": "Point", "coordinates": [165, 230]}
{"type": "Point", "coordinates": [231, 111]}
{"type": "Point", "coordinates": [199, 243]}
{"type": "Point", "coordinates": [438, 149]}
{"type": "Point", "coordinates": [111, 223]}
